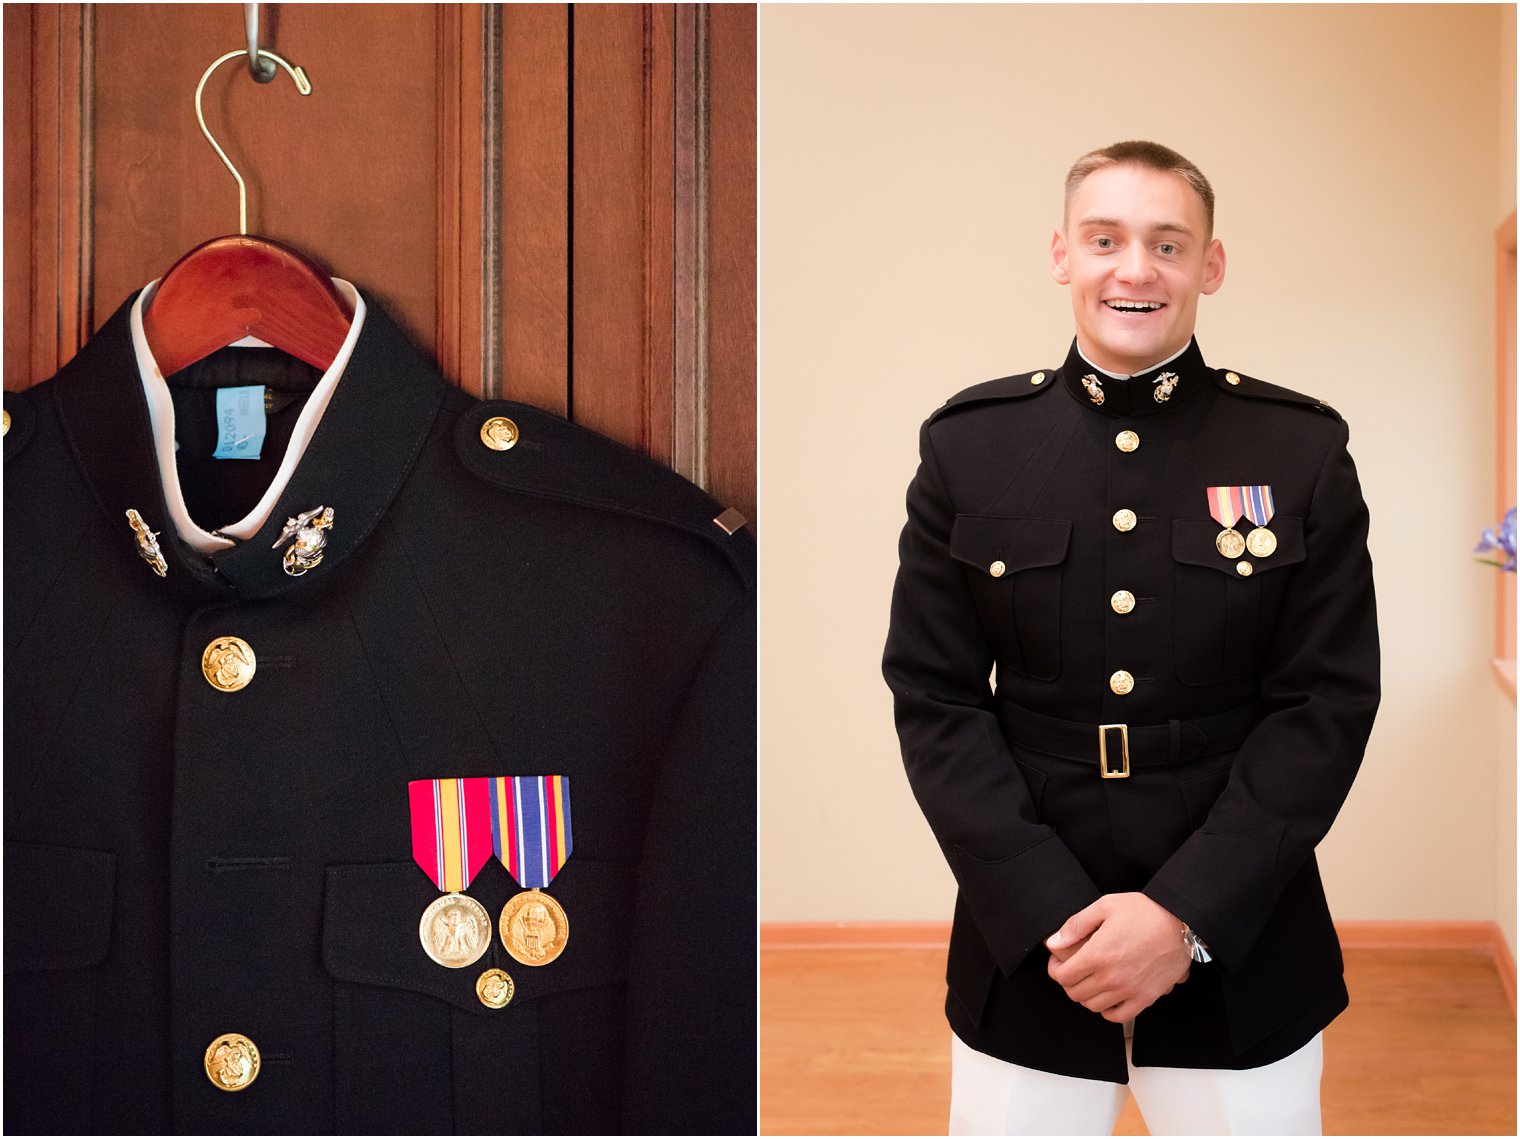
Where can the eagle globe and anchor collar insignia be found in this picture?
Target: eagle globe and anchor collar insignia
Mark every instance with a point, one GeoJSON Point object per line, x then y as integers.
{"type": "Point", "coordinates": [309, 529]}
{"type": "Point", "coordinates": [147, 543]}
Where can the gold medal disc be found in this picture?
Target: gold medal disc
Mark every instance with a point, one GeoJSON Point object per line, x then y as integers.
{"type": "Point", "coordinates": [534, 928]}
{"type": "Point", "coordinates": [1261, 542]}
{"type": "Point", "coordinates": [1230, 543]}
{"type": "Point", "coordinates": [455, 931]}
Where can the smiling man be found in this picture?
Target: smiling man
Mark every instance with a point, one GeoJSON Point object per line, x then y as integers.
{"type": "Point", "coordinates": [1163, 566]}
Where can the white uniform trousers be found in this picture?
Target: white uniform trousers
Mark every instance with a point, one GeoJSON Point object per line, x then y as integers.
{"type": "Point", "coordinates": [989, 1096]}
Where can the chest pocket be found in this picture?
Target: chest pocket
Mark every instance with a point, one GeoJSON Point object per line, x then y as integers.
{"type": "Point", "coordinates": [416, 1050]}
{"type": "Point", "coordinates": [1014, 568]}
{"type": "Point", "coordinates": [1224, 620]}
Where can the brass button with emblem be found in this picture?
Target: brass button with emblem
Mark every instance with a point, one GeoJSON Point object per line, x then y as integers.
{"type": "Point", "coordinates": [997, 569]}
{"type": "Point", "coordinates": [7, 429]}
{"type": "Point", "coordinates": [1037, 378]}
{"type": "Point", "coordinates": [1121, 683]}
{"type": "Point", "coordinates": [499, 433]}
{"type": "Point", "coordinates": [1127, 441]}
{"type": "Point", "coordinates": [228, 664]}
{"type": "Point", "coordinates": [1124, 520]}
{"type": "Point", "coordinates": [232, 1062]}
{"type": "Point", "coordinates": [1244, 569]}
{"type": "Point", "coordinates": [1231, 378]}
{"type": "Point", "coordinates": [1123, 601]}
{"type": "Point", "coordinates": [495, 988]}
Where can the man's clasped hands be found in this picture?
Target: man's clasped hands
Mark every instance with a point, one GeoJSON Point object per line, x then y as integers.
{"type": "Point", "coordinates": [1119, 955]}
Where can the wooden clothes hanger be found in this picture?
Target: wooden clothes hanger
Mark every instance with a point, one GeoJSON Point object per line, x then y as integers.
{"type": "Point", "coordinates": [237, 286]}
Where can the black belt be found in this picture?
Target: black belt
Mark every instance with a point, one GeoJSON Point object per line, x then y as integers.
{"type": "Point", "coordinates": [1116, 748]}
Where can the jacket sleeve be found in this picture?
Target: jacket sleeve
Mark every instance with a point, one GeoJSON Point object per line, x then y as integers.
{"type": "Point", "coordinates": [1319, 683]}
{"type": "Point", "coordinates": [1018, 880]}
{"type": "Point", "coordinates": [690, 1045]}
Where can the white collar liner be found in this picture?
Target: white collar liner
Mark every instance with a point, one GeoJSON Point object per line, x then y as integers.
{"type": "Point", "coordinates": [161, 414]}
{"type": "Point", "coordinates": [1141, 372]}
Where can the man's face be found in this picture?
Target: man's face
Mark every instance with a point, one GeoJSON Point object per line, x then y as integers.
{"type": "Point", "coordinates": [1136, 252]}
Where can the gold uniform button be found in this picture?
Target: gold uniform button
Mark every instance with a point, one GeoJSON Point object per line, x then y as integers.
{"type": "Point", "coordinates": [1037, 378]}
{"type": "Point", "coordinates": [1244, 569]}
{"type": "Point", "coordinates": [1122, 601]}
{"type": "Point", "coordinates": [997, 569]}
{"type": "Point", "coordinates": [228, 664]}
{"type": "Point", "coordinates": [1126, 441]}
{"type": "Point", "coordinates": [499, 433]}
{"type": "Point", "coordinates": [1122, 683]}
{"type": "Point", "coordinates": [232, 1062]}
{"type": "Point", "coordinates": [495, 988]}
{"type": "Point", "coordinates": [1124, 520]}
{"type": "Point", "coordinates": [7, 429]}
{"type": "Point", "coordinates": [1231, 378]}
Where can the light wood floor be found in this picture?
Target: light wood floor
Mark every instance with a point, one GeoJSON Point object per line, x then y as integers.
{"type": "Point", "coordinates": [854, 1042]}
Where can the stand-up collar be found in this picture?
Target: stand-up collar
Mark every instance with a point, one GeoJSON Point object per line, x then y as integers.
{"type": "Point", "coordinates": [1184, 375]}
{"type": "Point", "coordinates": [357, 458]}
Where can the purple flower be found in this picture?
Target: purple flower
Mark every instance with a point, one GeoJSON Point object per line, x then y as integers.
{"type": "Point", "coordinates": [1500, 541]}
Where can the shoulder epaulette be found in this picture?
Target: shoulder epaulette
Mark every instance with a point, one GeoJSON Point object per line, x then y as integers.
{"type": "Point", "coordinates": [1007, 387]}
{"type": "Point", "coordinates": [1242, 385]}
{"type": "Point", "coordinates": [522, 448]}
{"type": "Point", "coordinates": [20, 422]}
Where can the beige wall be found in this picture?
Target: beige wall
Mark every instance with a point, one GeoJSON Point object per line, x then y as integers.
{"type": "Point", "coordinates": [1504, 705]}
{"type": "Point", "coordinates": [911, 160]}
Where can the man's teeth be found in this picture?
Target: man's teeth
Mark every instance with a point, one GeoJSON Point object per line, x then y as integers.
{"type": "Point", "coordinates": [1134, 306]}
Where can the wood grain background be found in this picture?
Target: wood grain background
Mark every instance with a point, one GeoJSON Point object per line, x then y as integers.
{"type": "Point", "coordinates": [556, 201]}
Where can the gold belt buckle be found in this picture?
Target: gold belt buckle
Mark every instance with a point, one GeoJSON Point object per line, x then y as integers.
{"type": "Point", "coordinates": [1103, 769]}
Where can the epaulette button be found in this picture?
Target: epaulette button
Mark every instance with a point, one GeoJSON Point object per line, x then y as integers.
{"type": "Point", "coordinates": [499, 433]}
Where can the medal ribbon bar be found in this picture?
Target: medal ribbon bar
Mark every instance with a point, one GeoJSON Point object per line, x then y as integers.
{"type": "Point", "coordinates": [1258, 503]}
{"type": "Point", "coordinates": [1226, 504]}
{"type": "Point", "coordinates": [530, 826]}
{"type": "Point", "coordinates": [451, 829]}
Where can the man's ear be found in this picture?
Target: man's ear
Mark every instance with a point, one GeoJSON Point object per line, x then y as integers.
{"type": "Point", "coordinates": [1058, 269]}
{"type": "Point", "coordinates": [1213, 268]}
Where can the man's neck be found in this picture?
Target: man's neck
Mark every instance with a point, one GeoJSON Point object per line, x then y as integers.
{"type": "Point", "coordinates": [1138, 371]}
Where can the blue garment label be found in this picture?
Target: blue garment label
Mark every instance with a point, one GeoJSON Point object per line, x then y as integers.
{"type": "Point", "coordinates": [239, 423]}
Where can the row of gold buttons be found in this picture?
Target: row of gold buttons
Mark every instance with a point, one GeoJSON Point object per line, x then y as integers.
{"type": "Point", "coordinates": [232, 1060]}
{"type": "Point", "coordinates": [1121, 683]}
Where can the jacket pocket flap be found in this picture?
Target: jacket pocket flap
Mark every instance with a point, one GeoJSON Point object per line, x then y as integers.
{"type": "Point", "coordinates": [58, 903]}
{"type": "Point", "coordinates": [1193, 544]}
{"type": "Point", "coordinates": [370, 934]}
{"type": "Point", "coordinates": [1019, 543]}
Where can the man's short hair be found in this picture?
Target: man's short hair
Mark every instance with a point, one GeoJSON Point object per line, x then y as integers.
{"type": "Point", "coordinates": [1138, 152]}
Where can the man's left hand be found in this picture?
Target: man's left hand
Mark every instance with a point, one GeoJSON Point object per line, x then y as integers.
{"type": "Point", "coordinates": [1129, 953]}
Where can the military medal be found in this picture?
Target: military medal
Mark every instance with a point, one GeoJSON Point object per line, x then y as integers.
{"type": "Point", "coordinates": [530, 829]}
{"type": "Point", "coordinates": [1225, 507]}
{"type": "Point", "coordinates": [1259, 509]}
{"type": "Point", "coordinates": [451, 841]}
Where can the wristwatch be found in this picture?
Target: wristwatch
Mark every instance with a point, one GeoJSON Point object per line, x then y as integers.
{"type": "Point", "coordinates": [1196, 948]}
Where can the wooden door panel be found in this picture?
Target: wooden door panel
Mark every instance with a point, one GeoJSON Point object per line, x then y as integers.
{"type": "Point", "coordinates": [534, 205]}
{"type": "Point", "coordinates": [347, 174]}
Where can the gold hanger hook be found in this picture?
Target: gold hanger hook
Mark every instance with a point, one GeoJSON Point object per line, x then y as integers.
{"type": "Point", "coordinates": [303, 85]}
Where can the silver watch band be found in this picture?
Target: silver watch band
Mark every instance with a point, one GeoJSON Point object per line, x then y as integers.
{"type": "Point", "coordinates": [1196, 948]}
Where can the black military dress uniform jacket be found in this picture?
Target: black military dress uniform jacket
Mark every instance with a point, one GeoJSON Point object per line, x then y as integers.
{"type": "Point", "coordinates": [183, 862]}
{"type": "Point", "coordinates": [1068, 545]}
